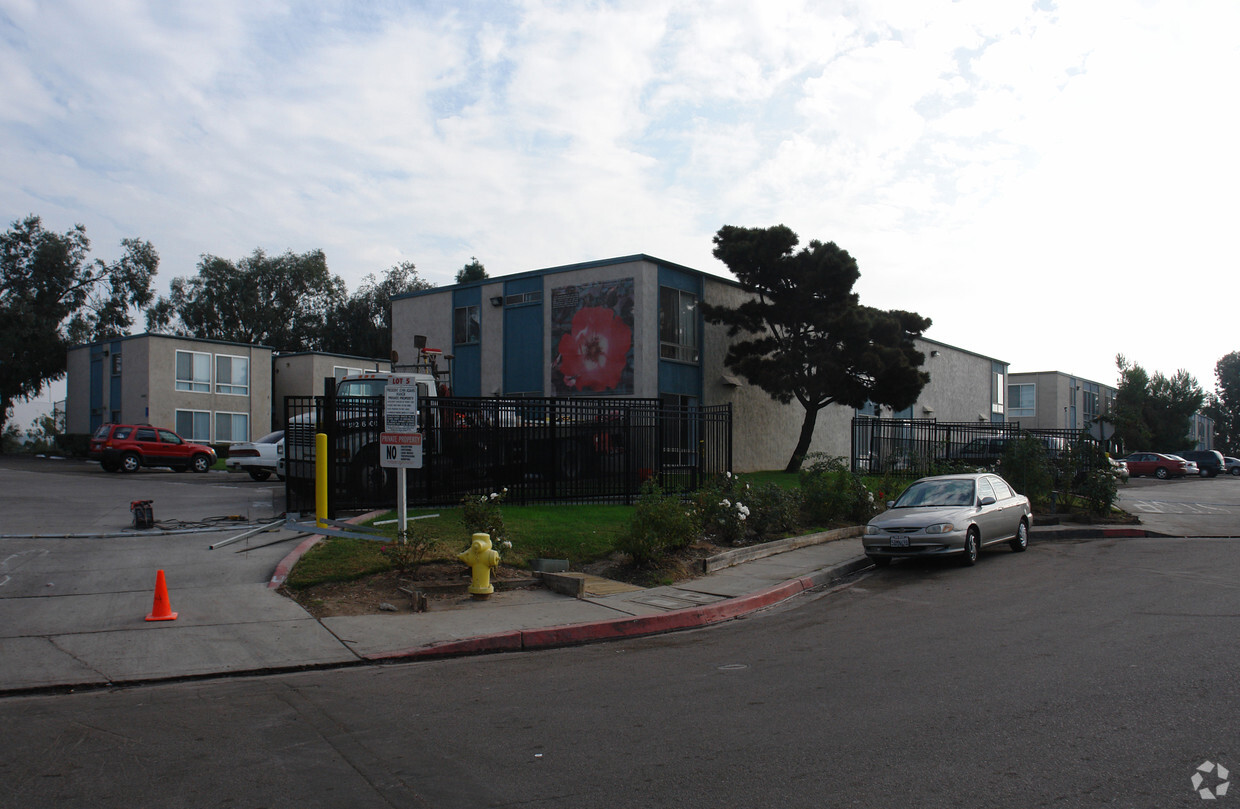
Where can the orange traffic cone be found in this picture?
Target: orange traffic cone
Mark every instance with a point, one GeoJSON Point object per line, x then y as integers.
{"type": "Point", "coordinates": [162, 610]}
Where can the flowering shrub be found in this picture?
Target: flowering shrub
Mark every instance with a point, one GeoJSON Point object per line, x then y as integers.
{"type": "Point", "coordinates": [720, 508]}
{"type": "Point", "coordinates": [482, 514]}
{"type": "Point", "coordinates": [661, 524]}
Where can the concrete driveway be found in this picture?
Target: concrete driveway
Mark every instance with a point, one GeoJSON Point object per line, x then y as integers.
{"type": "Point", "coordinates": [1208, 507]}
{"type": "Point", "coordinates": [76, 582]}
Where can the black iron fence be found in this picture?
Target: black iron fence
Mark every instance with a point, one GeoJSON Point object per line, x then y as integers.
{"type": "Point", "coordinates": [917, 447]}
{"type": "Point", "coordinates": [539, 449]}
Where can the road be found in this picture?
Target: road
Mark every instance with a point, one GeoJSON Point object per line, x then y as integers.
{"type": "Point", "coordinates": [1075, 674]}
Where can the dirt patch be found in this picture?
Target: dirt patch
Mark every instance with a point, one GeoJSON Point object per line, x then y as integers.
{"type": "Point", "coordinates": [449, 580]}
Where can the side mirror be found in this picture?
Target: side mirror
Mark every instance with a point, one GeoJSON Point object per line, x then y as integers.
{"type": "Point", "coordinates": [986, 501]}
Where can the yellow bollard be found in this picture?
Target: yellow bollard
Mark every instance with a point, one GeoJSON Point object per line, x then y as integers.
{"type": "Point", "coordinates": [480, 558]}
{"type": "Point", "coordinates": [320, 480]}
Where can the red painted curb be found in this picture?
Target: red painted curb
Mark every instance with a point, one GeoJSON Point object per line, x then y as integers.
{"type": "Point", "coordinates": [286, 564]}
{"type": "Point", "coordinates": [502, 642]}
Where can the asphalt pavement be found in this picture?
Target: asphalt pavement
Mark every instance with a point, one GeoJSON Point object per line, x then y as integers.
{"type": "Point", "coordinates": [77, 581]}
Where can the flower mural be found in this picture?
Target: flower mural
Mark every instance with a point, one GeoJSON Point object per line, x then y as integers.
{"type": "Point", "coordinates": [594, 353]}
{"type": "Point", "coordinates": [592, 332]}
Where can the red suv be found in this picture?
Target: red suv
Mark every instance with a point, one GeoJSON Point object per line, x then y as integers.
{"type": "Point", "coordinates": [126, 447]}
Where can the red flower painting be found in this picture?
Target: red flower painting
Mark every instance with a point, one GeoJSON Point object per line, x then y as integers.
{"type": "Point", "coordinates": [595, 350]}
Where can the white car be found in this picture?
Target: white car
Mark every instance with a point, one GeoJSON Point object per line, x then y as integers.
{"type": "Point", "coordinates": [259, 458]}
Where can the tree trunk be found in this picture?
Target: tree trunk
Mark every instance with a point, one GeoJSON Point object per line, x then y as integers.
{"type": "Point", "coordinates": [807, 434]}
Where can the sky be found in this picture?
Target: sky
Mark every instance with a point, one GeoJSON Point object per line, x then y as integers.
{"type": "Point", "coordinates": [1052, 183]}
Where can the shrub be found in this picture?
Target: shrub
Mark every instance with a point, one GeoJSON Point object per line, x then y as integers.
{"type": "Point", "coordinates": [407, 555]}
{"type": "Point", "coordinates": [1088, 468]}
{"type": "Point", "coordinates": [1026, 466]}
{"type": "Point", "coordinates": [482, 514]}
{"type": "Point", "coordinates": [833, 493]}
{"type": "Point", "coordinates": [720, 508]}
{"type": "Point", "coordinates": [661, 524]}
{"type": "Point", "coordinates": [774, 511]}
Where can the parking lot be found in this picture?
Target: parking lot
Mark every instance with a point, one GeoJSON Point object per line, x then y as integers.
{"type": "Point", "coordinates": [1185, 506]}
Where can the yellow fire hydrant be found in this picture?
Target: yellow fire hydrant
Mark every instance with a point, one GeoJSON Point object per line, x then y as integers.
{"type": "Point", "coordinates": [480, 559]}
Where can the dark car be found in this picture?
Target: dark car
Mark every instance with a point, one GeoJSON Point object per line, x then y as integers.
{"type": "Point", "coordinates": [988, 451]}
{"type": "Point", "coordinates": [128, 447]}
{"type": "Point", "coordinates": [1209, 462]}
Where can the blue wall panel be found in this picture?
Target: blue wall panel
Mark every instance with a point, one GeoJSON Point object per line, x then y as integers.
{"type": "Point", "coordinates": [467, 367]}
{"type": "Point", "coordinates": [523, 339]}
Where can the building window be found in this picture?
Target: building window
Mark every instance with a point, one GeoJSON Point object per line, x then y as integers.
{"type": "Point", "coordinates": [466, 327]}
{"type": "Point", "coordinates": [230, 427]}
{"type": "Point", "coordinates": [232, 375]}
{"type": "Point", "coordinates": [522, 298]}
{"type": "Point", "coordinates": [194, 371]}
{"type": "Point", "coordinates": [194, 425]}
{"type": "Point", "coordinates": [116, 365]}
{"type": "Point", "coordinates": [1021, 400]}
{"type": "Point", "coordinates": [996, 394]}
{"type": "Point", "coordinates": [677, 325]}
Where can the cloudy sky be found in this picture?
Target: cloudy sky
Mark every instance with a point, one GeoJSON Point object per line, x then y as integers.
{"type": "Point", "coordinates": [1052, 183]}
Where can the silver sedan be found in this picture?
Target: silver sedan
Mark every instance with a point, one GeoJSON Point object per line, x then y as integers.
{"type": "Point", "coordinates": [949, 515]}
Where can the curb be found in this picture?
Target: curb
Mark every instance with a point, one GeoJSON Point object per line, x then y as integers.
{"type": "Point", "coordinates": [632, 627]}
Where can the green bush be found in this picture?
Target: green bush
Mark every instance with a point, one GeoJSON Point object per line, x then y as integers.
{"type": "Point", "coordinates": [483, 514]}
{"type": "Point", "coordinates": [774, 511]}
{"type": "Point", "coordinates": [661, 525]}
{"type": "Point", "coordinates": [1087, 468]}
{"type": "Point", "coordinates": [833, 493]}
{"type": "Point", "coordinates": [1026, 466]}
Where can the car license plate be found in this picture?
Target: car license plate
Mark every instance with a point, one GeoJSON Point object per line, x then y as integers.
{"type": "Point", "coordinates": [899, 542]}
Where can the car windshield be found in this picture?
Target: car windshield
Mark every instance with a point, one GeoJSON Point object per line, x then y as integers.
{"type": "Point", "coordinates": [362, 387]}
{"type": "Point", "coordinates": [937, 493]}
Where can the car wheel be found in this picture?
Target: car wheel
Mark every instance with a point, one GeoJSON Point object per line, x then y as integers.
{"type": "Point", "coordinates": [1161, 473]}
{"type": "Point", "coordinates": [972, 542]}
{"type": "Point", "coordinates": [367, 478]}
{"type": "Point", "coordinates": [1204, 473]}
{"type": "Point", "coordinates": [1021, 541]}
{"type": "Point", "coordinates": [109, 466]}
{"type": "Point", "coordinates": [200, 463]}
{"type": "Point", "coordinates": [131, 462]}
{"type": "Point", "coordinates": [1235, 470]}
{"type": "Point", "coordinates": [260, 474]}
{"type": "Point", "coordinates": [880, 561]}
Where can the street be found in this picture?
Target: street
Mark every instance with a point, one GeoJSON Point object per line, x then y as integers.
{"type": "Point", "coordinates": [1076, 674]}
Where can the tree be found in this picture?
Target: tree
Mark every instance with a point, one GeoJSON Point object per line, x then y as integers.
{"type": "Point", "coordinates": [277, 301]}
{"type": "Point", "coordinates": [1223, 405]}
{"type": "Point", "coordinates": [473, 271]}
{"type": "Point", "coordinates": [1153, 412]}
{"type": "Point", "coordinates": [53, 297]}
{"type": "Point", "coordinates": [362, 325]}
{"type": "Point", "coordinates": [812, 339]}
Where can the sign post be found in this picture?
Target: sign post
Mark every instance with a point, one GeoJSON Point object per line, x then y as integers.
{"type": "Point", "coordinates": [400, 443]}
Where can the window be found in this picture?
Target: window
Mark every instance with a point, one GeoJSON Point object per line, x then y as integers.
{"type": "Point", "coordinates": [116, 365]}
{"type": "Point", "coordinates": [996, 394]}
{"type": "Point", "coordinates": [232, 375]}
{"type": "Point", "coordinates": [230, 427]}
{"type": "Point", "coordinates": [194, 425]}
{"type": "Point", "coordinates": [677, 325]}
{"type": "Point", "coordinates": [466, 328]}
{"type": "Point", "coordinates": [169, 437]}
{"type": "Point", "coordinates": [1021, 400]}
{"type": "Point", "coordinates": [146, 434]}
{"type": "Point", "coordinates": [194, 371]}
{"type": "Point", "coordinates": [523, 298]}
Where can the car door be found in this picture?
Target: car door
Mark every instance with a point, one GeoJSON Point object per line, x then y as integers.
{"type": "Point", "coordinates": [1140, 463]}
{"type": "Point", "coordinates": [147, 442]}
{"type": "Point", "coordinates": [175, 451]}
{"type": "Point", "coordinates": [989, 518]}
{"type": "Point", "coordinates": [1009, 507]}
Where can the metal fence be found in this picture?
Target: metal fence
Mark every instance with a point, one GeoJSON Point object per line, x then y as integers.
{"type": "Point", "coordinates": [539, 449]}
{"type": "Point", "coordinates": [916, 447]}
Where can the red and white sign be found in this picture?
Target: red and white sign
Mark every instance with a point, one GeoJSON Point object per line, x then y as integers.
{"type": "Point", "coordinates": [400, 450]}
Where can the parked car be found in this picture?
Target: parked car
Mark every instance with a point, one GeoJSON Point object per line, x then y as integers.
{"type": "Point", "coordinates": [988, 451]}
{"type": "Point", "coordinates": [128, 447]}
{"type": "Point", "coordinates": [1159, 465]}
{"type": "Point", "coordinates": [259, 458]}
{"type": "Point", "coordinates": [1233, 465]}
{"type": "Point", "coordinates": [949, 515]}
{"type": "Point", "coordinates": [1209, 462]}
